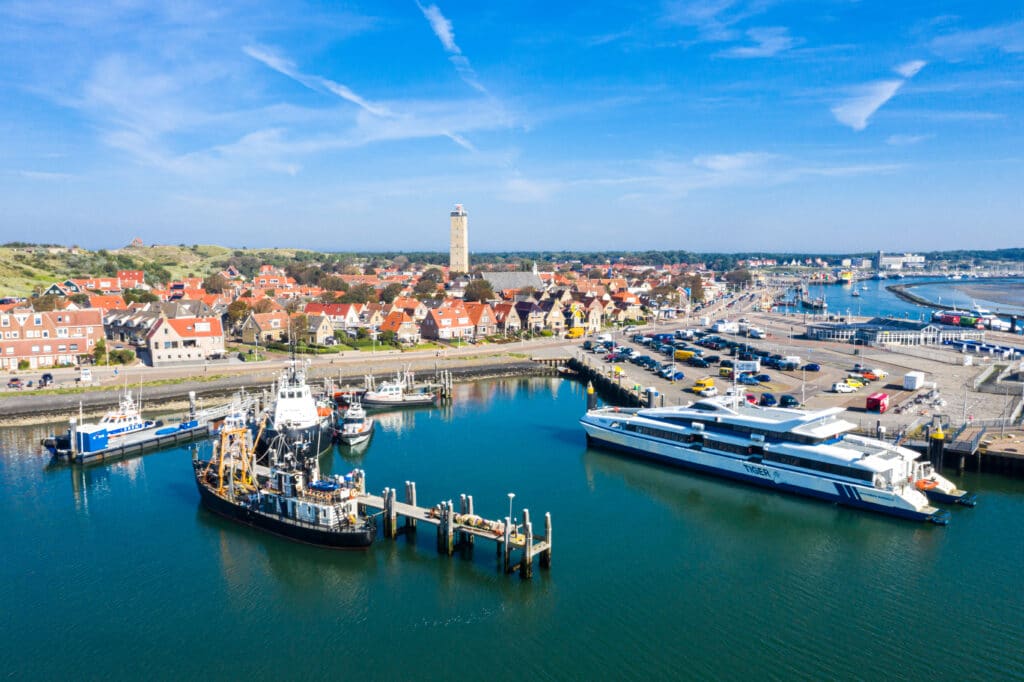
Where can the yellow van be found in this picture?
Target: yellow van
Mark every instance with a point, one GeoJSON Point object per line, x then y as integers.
{"type": "Point", "coordinates": [684, 355]}
{"type": "Point", "coordinates": [575, 333]}
{"type": "Point", "coordinates": [701, 384]}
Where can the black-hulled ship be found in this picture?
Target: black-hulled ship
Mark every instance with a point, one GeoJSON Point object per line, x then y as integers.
{"type": "Point", "coordinates": [295, 416]}
{"type": "Point", "coordinates": [286, 498]}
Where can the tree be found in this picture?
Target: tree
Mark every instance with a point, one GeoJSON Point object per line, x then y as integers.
{"type": "Point", "coordinates": [433, 274]}
{"type": "Point", "coordinates": [139, 296]}
{"type": "Point", "coordinates": [425, 288]}
{"type": "Point", "coordinates": [360, 293]}
{"type": "Point", "coordinates": [79, 299]}
{"type": "Point", "coordinates": [333, 283]}
{"type": "Point", "coordinates": [237, 311]}
{"type": "Point", "coordinates": [264, 305]}
{"type": "Point", "coordinates": [45, 303]}
{"type": "Point", "coordinates": [595, 273]}
{"type": "Point", "coordinates": [99, 352]}
{"type": "Point", "coordinates": [300, 328]}
{"type": "Point", "coordinates": [741, 277]}
{"type": "Point", "coordinates": [215, 283]}
{"type": "Point", "coordinates": [527, 291]}
{"type": "Point", "coordinates": [479, 290]}
{"type": "Point", "coordinates": [391, 292]}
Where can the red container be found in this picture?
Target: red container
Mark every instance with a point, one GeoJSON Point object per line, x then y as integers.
{"type": "Point", "coordinates": [878, 402]}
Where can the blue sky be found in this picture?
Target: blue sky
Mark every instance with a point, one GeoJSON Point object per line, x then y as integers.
{"type": "Point", "coordinates": [714, 125]}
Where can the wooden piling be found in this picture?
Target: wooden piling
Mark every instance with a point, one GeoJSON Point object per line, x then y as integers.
{"type": "Point", "coordinates": [526, 565]}
{"type": "Point", "coordinates": [507, 545]}
{"type": "Point", "coordinates": [470, 538]}
{"type": "Point", "coordinates": [545, 556]}
{"type": "Point", "coordinates": [410, 499]}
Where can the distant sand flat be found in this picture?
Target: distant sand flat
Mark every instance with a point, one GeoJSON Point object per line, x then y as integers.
{"type": "Point", "coordinates": [1008, 293]}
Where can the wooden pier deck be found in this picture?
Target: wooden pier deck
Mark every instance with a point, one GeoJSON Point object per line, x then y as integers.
{"type": "Point", "coordinates": [461, 529]}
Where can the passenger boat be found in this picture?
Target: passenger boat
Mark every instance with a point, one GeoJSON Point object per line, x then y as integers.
{"type": "Point", "coordinates": [125, 418]}
{"type": "Point", "coordinates": [295, 415]}
{"type": "Point", "coordinates": [286, 498]}
{"type": "Point", "coordinates": [809, 453]}
{"type": "Point", "coordinates": [400, 392]}
{"type": "Point", "coordinates": [355, 426]}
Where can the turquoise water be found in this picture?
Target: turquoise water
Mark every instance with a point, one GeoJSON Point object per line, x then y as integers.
{"type": "Point", "coordinates": [877, 300]}
{"type": "Point", "coordinates": [116, 573]}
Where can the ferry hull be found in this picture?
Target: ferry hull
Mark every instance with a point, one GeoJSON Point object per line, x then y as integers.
{"type": "Point", "coordinates": [841, 493]}
{"type": "Point", "coordinates": [406, 401]}
{"type": "Point", "coordinates": [360, 538]}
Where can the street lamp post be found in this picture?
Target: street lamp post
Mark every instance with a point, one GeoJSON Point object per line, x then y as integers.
{"type": "Point", "coordinates": [510, 498]}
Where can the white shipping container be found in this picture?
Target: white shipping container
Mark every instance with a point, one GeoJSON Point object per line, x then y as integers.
{"type": "Point", "coordinates": [913, 381]}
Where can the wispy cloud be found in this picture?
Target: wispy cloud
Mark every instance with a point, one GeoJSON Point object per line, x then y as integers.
{"type": "Point", "coordinates": [1007, 38]}
{"type": "Point", "coordinates": [287, 68]}
{"type": "Point", "coordinates": [442, 28]}
{"type": "Point", "coordinates": [43, 175]}
{"type": "Point", "coordinates": [868, 98]}
{"type": "Point", "coordinates": [906, 140]}
{"type": "Point", "coordinates": [712, 19]}
{"type": "Point", "coordinates": [768, 42]}
{"type": "Point", "coordinates": [910, 69]}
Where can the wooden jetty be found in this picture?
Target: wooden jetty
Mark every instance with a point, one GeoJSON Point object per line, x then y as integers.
{"type": "Point", "coordinates": [461, 530]}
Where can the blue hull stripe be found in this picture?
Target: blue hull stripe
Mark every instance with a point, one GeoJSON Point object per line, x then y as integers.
{"type": "Point", "coordinates": [845, 495]}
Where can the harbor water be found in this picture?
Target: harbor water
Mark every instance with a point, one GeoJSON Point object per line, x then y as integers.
{"type": "Point", "coordinates": [115, 572]}
{"type": "Point", "coordinates": [1005, 296]}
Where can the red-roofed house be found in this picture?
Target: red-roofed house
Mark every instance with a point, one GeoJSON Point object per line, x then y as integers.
{"type": "Point", "coordinates": [483, 319]}
{"type": "Point", "coordinates": [131, 279]}
{"type": "Point", "coordinates": [405, 328]}
{"type": "Point", "coordinates": [265, 327]}
{"type": "Point", "coordinates": [47, 339]}
{"type": "Point", "coordinates": [186, 339]}
{"type": "Point", "coordinates": [412, 307]}
{"type": "Point", "coordinates": [107, 303]}
{"type": "Point", "coordinates": [342, 315]}
{"type": "Point", "coordinates": [450, 321]}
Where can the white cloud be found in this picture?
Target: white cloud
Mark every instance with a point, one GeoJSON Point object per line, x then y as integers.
{"type": "Point", "coordinates": [441, 26]}
{"type": "Point", "coordinates": [446, 34]}
{"type": "Point", "coordinates": [1008, 38]}
{"type": "Point", "coordinates": [713, 19]}
{"type": "Point", "coordinates": [857, 111]}
{"type": "Point", "coordinates": [44, 175]}
{"type": "Point", "coordinates": [287, 68]}
{"type": "Point", "coordinates": [769, 41]}
{"type": "Point", "coordinates": [906, 140]}
{"type": "Point", "coordinates": [731, 162]}
{"type": "Point", "coordinates": [910, 69]}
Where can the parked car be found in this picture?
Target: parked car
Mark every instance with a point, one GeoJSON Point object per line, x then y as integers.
{"type": "Point", "coordinates": [750, 398]}
{"type": "Point", "coordinates": [767, 400]}
{"type": "Point", "coordinates": [698, 362]}
{"type": "Point", "coordinates": [14, 382]}
{"type": "Point", "coordinates": [712, 359]}
{"type": "Point", "coordinates": [842, 387]}
{"type": "Point", "coordinates": [748, 380]}
{"type": "Point", "coordinates": [854, 383]}
{"type": "Point", "coordinates": [812, 367]}
{"type": "Point", "coordinates": [727, 363]}
{"type": "Point", "coordinates": [764, 377]}
{"type": "Point", "coordinates": [709, 392]}
{"type": "Point", "coordinates": [789, 401]}
{"type": "Point", "coordinates": [870, 376]}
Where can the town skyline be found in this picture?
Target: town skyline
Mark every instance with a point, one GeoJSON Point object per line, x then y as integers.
{"type": "Point", "coordinates": [715, 127]}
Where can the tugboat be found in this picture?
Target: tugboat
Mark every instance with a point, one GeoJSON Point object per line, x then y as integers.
{"type": "Point", "coordinates": [355, 426]}
{"type": "Point", "coordinates": [287, 498]}
{"type": "Point", "coordinates": [295, 415]}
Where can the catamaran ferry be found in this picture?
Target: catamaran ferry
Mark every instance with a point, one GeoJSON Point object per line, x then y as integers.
{"type": "Point", "coordinates": [808, 453]}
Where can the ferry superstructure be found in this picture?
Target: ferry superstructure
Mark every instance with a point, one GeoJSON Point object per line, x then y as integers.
{"type": "Point", "coordinates": [809, 453]}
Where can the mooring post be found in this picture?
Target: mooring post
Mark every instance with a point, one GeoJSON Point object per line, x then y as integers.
{"type": "Point", "coordinates": [507, 544]}
{"type": "Point", "coordinates": [591, 397]}
{"type": "Point", "coordinates": [410, 499]}
{"type": "Point", "coordinates": [469, 510]}
{"type": "Point", "coordinates": [526, 561]}
{"type": "Point", "coordinates": [526, 567]}
{"type": "Point", "coordinates": [545, 556]}
{"type": "Point", "coordinates": [440, 525]}
{"type": "Point", "coordinates": [449, 530]}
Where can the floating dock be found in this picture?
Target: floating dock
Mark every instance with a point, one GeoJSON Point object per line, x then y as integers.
{"type": "Point", "coordinates": [460, 530]}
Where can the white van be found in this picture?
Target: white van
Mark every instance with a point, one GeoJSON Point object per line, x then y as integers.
{"type": "Point", "coordinates": [602, 338]}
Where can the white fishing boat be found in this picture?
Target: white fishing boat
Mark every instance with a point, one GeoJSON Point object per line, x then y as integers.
{"type": "Point", "coordinates": [355, 426]}
{"type": "Point", "coordinates": [400, 392]}
{"type": "Point", "coordinates": [809, 453]}
{"type": "Point", "coordinates": [125, 418]}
